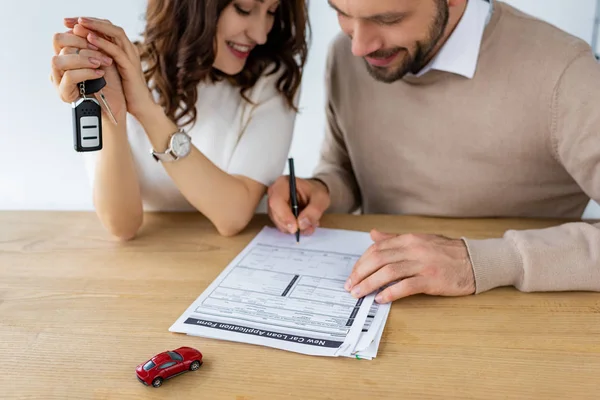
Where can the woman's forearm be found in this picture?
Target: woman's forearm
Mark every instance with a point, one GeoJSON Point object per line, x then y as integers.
{"type": "Point", "coordinates": [228, 201]}
{"type": "Point", "coordinates": [117, 197]}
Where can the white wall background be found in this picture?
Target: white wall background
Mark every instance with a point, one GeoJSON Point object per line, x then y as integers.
{"type": "Point", "coordinates": [39, 168]}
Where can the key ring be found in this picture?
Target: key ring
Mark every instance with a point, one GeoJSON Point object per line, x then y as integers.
{"type": "Point", "coordinates": [82, 89]}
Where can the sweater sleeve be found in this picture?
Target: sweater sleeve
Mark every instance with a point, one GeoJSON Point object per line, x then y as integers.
{"type": "Point", "coordinates": [566, 257]}
{"type": "Point", "coordinates": [334, 168]}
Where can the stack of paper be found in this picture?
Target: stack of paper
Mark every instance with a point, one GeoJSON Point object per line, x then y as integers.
{"type": "Point", "coordinates": [291, 296]}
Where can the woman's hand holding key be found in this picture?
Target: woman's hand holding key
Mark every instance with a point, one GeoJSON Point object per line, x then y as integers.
{"type": "Point", "coordinates": [113, 41]}
{"type": "Point", "coordinates": [77, 60]}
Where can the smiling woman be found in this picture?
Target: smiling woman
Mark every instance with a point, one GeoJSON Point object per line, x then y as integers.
{"type": "Point", "coordinates": [249, 36]}
{"type": "Point", "coordinates": [205, 106]}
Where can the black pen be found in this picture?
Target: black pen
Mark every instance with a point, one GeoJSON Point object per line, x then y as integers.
{"type": "Point", "coordinates": [294, 196]}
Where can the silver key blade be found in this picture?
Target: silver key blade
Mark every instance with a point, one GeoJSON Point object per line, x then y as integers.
{"type": "Point", "coordinates": [106, 106]}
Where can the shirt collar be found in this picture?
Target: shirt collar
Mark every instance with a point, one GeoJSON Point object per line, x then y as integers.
{"type": "Point", "coordinates": [460, 53]}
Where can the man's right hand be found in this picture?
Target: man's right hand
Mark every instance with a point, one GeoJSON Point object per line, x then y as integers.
{"type": "Point", "coordinates": [313, 201]}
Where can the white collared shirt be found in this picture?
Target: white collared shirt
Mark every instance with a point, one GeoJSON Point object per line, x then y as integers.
{"type": "Point", "coordinates": [460, 53]}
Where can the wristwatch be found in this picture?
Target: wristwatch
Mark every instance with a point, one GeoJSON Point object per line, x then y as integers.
{"type": "Point", "coordinates": [180, 145]}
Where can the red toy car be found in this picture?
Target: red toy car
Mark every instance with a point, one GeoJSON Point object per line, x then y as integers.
{"type": "Point", "coordinates": [167, 365]}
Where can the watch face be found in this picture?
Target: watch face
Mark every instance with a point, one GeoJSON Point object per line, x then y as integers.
{"type": "Point", "coordinates": [181, 144]}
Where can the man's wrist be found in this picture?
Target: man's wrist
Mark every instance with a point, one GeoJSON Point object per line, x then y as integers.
{"type": "Point", "coordinates": [468, 280]}
{"type": "Point", "coordinates": [320, 184]}
{"type": "Point", "coordinates": [496, 262]}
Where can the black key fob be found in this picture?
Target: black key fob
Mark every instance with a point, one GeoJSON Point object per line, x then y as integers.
{"type": "Point", "coordinates": [87, 125]}
{"type": "Point", "coordinates": [93, 86]}
{"type": "Point", "coordinates": [87, 118]}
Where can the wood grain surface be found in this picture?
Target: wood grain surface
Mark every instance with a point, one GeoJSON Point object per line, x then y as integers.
{"type": "Point", "coordinates": [79, 310]}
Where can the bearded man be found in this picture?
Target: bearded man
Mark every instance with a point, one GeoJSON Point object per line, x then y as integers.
{"type": "Point", "coordinates": [462, 109]}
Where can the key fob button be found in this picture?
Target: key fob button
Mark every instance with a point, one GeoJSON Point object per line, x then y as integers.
{"type": "Point", "coordinates": [90, 132]}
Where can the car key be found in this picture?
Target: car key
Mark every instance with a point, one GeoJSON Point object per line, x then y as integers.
{"type": "Point", "coordinates": [87, 123]}
{"type": "Point", "coordinates": [95, 87]}
{"type": "Point", "coordinates": [87, 116]}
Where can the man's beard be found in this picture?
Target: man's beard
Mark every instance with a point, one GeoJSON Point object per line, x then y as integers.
{"type": "Point", "coordinates": [410, 63]}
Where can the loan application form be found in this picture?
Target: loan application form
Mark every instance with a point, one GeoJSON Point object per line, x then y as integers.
{"type": "Point", "coordinates": [291, 296]}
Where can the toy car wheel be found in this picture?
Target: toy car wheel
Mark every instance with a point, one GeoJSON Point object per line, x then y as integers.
{"type": "Point", "coordinates": [157, 382]}
{"type": "Point", "coordinates": [195, 365]}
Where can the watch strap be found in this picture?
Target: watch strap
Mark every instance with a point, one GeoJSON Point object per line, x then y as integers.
{"type": "Point", "coordinates": [167, 156]}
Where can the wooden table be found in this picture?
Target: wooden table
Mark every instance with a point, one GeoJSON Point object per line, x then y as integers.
{"type": "Point", "coordinates": [79, 310]}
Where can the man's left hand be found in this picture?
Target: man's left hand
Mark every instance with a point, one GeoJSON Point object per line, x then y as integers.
{"type": "Point", "coordinates": [428, 264]}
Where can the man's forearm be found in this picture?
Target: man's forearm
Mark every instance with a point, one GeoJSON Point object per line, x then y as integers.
{"type": "Point", "coordinates": [117, 197]}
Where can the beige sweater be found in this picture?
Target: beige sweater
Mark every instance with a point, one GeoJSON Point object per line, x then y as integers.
{"type": "Point", "coordinates": [521, 139]}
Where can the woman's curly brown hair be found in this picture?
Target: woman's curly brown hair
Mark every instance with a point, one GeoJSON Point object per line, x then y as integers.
{"type": "Point", "coordinates": [178, 50]}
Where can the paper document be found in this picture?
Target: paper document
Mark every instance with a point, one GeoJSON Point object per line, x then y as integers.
{"type": "Point", "coordinates": [291, 296]}
{"type": "Point", "coordinates": [368, 343]}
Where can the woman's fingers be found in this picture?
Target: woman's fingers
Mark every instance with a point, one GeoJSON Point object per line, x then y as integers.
{"type": "Point", "coordinates": [64, 39]}
{"type": "Point", "coordinates": [70, 22]}
{"type": "Point", "coordinates": [73, 24]}
{"type": "Point", "coordinates": [71, 58]}
{"type": "Point", "coordinates": [83, 32]}
{"type": "Point", "coordinates": [114, 51]}
{"type": "Point", "coordinates": [111, 33]}
{"type": "Point", "coordinates": [86, 54]}
{"type": "Point", "coordinates": [73, 77]}
{"type": "Point", "coordinates": [56, 76]}
{"type": "Point", "coordinates": [75, 61]}
{"type": "Point", "coordinates": [103, 27]}
{"type": "Point", "coordinates": [70, 80]}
